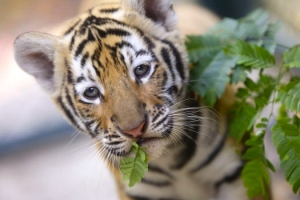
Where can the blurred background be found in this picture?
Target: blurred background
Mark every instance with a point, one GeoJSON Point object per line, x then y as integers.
{"type": "Point", "coordinates": [41, 156]}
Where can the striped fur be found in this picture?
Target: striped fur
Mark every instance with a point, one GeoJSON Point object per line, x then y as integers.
{"type": "Point", "coordinates": [190, 155]}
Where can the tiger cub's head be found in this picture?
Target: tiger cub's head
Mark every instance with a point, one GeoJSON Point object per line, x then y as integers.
{"type": "Point", "coordinates": [117, 72]}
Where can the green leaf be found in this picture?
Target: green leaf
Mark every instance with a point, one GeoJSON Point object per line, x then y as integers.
{"type": "Point", "coordinates": [210, 83]}
{"type": "Point", "coordinates": [226, 29]}
{"type": "Point", "coordinates": [134, 168]}
{"type": "Point", "coordinates": [286, 137]}
{"type": "Point", "coordinates": [238, 75]}
{"type": "Point", "coordinates": [289, 96]}
{"type": "Point", "coordinates": [254, 152]}
{"type": "Point", "coordinates": [259, 17]}
{"type": "Point", "coordinates": [291, 57]}
{"type": "Point", "coordinates": [202, 46]}
{"type": "Point", "coordinates": [270, 166]}
{"type": "Point", "coordinates": [250, 84]}
{"type": "Point", "coordinates": [256, 177]}
{"type": "Point", "coordinates": [269, 39]}
{"type": "Point", "coordinates": [244, 116]}
{"type": "Point", "coordinates": [251, 55]}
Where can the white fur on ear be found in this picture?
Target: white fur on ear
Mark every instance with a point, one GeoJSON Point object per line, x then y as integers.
{"type": "Point", "coordinates": [159, 11]}
{"type": "Point", "coordinates": [34, 53]}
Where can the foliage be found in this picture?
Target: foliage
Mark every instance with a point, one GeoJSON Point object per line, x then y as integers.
{"type": "Point", "coordinates": [226, 55]}
{"type": "Point", "coordinates": [134, 168]}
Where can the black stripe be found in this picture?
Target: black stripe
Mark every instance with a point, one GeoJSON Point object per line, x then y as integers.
{"type": "Point", "coordinates": [141, 52]}
{"type": "Point", "coordinates": [72, 28]}
{"type": "Point", "coordinates": [116, 152]}
{"type": "Point", "coordinates": [167, 59]}
{"type": "Point", "coordinates": [212, 155]}
{"type": "Point", "coordinates": [149, 42]}
{"type": "Point", "coordinates": [70, 101]}
{"type": "Point", "coordinates": [186, 154]}
{"type": "Point", "coordinates": [155, 169]}
{"type": "Point", "coordinates": [123, 43]}
{"type": "Point", "coordinates": [161, 121]}
{"type": "Point", "coordinates": [111, 136]}
{"type": "Point", "coordinates": [101, 33]}
{"type": "Point", "coordinates": [69, 72]}
{"type": "Point", "coordinates": [95, 68]}
{"type": "Point", "coordinates": [156, 116]}
{"type": "Point", "coordinates": [72, 41]}
{"type": "Point", "coordinates": [83, 59]}
{"type": "Point", "coordinates": [154, 75]}
{"type": "Point", "coordinates": [230, 177]}
{"type": "Point", "coordinates": [109, 10]}
{"type": "Point", "coordinates": [189, 140]}
{"type": "Point", "coordinates": [80, 47]}
{"type": "Point", "coordinates": [179, 64]}
{"type": "Point", "coordinates": [172, 89]}
{"type": "Point", "coordinates": [165, 78]}
{"type": "Point", "coordinates": [137, 197]}
{"type": "Point", "coordinates": [156, 183]}
{"type": "Point", "coordinates": [166, 98]}
{"type": "Point", "coordinates": [117, 32]}
{"type": "Point", "coordinates": [67, 113]}
{"type": "Point", "coordinates": [115, 143]}
{"type": "Point", "coordinates": [169, 126]}
{"type": "Point", "coordinates": [80, 79]}
{"type": "Point", "coordinates": [89, 124]}
{"type": "Point", "coordinates": [91, 36]}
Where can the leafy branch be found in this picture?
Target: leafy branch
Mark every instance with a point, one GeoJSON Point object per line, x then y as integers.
{"type": "Point", "coordinates": [134, 168]}
{"type": "Point", "coordinates": [226, 55]}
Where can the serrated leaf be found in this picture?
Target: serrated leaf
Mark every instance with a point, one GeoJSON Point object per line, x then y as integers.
{"type": "Point", "coordinates": [260, 102]}
{"type": "Point", "coordinates": [269, 40]}
{"type": "Point", "coordinates": [286, 137]}
{"type": "Point", "coordinates": [249, 83]}
{"type": "Point", "coordinates": [261, 125]}
{"type": "Point", "coordinates": [226, 29]}
{"type": "Point", "coordinates": [243, 118]}
{"type": "Point", "coordinates": [289, 96]}
{"type": "Point", "coordinates": [211, 83]}
{"type": "Point", "coordinates": [291, 57]}
{"type": "Point", "coordinates": [242, 93]}
{"type": "Point", "coordinates": [238, 75]}
{"type": "Point", "coordinates": [254, 152]}
{"type": "Point", "coordinates": [134, 168]}
{"type": "Point", "coordinates": [255, 141]}
{"type": "Point", "coordinates": [251, 55]}
{"type": "Point", "coordinates": [255, 177]}
{"type": "Point", "coordinates": [202, 46]}
{"type": "Point", "coordinates": [259, 17]}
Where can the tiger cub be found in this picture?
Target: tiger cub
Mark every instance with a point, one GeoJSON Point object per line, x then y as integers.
{"type": "Point", "coordinates": [119, 73]}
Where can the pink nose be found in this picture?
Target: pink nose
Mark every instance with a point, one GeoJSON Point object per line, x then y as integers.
{"type": "Point", "coordinates": [135, 132]}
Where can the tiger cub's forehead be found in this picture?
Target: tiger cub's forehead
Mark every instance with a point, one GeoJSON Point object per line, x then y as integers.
{"type": "Point", "coordinates": [101, 44]}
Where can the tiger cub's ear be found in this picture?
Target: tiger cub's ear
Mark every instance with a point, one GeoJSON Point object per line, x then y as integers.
{"type": "Point", "coordinates": [34, 53]}
{"type": "Point", "coordinates": [159, 11]}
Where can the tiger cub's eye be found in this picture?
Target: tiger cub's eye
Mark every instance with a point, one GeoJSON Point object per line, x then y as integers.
{"type": "Point", "coordinates": [91, 93]}
{"type": "Point", "coordinates": [141, 70]}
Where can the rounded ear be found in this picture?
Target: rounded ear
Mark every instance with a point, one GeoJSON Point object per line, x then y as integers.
{"type": "Point", "coordinates": [159, 11]}
{"type": "Point", "coordinates": [34, 53]}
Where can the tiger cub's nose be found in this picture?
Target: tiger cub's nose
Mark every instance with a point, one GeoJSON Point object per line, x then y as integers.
{"type": "Point", "coordinates": [135, 132]}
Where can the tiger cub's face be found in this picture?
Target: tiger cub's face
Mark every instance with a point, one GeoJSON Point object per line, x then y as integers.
{"type": "Point", "coordinates": [117, 73]}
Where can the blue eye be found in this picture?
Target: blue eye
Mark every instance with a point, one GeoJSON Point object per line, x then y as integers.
{"type": "Point", "coordinates": [91, 93]}
{"type": "Point", "coordinates": [141, 70]}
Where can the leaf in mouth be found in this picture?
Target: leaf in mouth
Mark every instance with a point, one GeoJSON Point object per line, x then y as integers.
{"type": "Point", "coordinates": [134, 168]}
